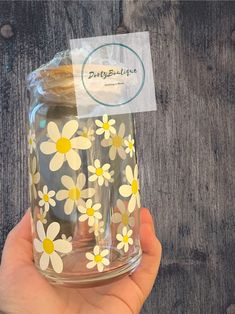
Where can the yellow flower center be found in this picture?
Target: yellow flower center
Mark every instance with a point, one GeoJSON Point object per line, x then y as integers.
{"type": "Point", "coordinates": [48, 246]}
{"type": "Point", "coordinates": [134, 186]}
{"type": "Point", "coordinates": [90, 211]}
{"type": "Point", "coordinates": [84, 134]}
{"type": "Point", "coordinates": [98, 258]}
{"type": "Point", "coordinates": [125, 239]}
{"type": "Point", "coordinates": [117, 141]}
{"type": "Point", "coordinates": [63, 145]}
{"type": "Point", "coordinates": [30, 141]}
{"type": "Point", "coordinates": [125, 219]}
{"type": "Point", "coordinates": [46, 197]}
{"type": "Point", "coordinates": [106, 126]}
{"type": "Point", "coordinates": [99, 171]}
{"type": "Point", "coordinates": [74, 194]}
{"type": "Point", "coordinates": [130, 145]}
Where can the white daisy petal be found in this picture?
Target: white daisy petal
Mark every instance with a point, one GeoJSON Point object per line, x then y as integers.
{"type": "Point", "coordinates": [67, 182]}
{"type": "Point", "coordinates": [62, 246]}
{"type": "Point", "coordinates": [116, 218]}
{"type": "Point", "coordinates": [91, 264]}
{"type": "Point", "coordinates": [81, 142]}
{"type": "Point", "coordinates": [53, 230]}
{"type": "Point", "coordinates": [104, 252]}
{"type": "Point", "coordinates": [92, 178]}
{"type": "Point", "coordinates": [129, 174]}
{"type": "Point", "coordinates": [132, 203]}
{"type": "Point", "coordinates": [105, 118]}
{"type": "Point", "coordinates": [40, 231]}
{"type": "Point", "coordinates": [100, 180]}
{"type": "Point", "coordinates": [83, 218]}
{"type": "Point", "coordinates": [121, 152]}
{"type": "Point", "coordinates": [100, 267]}
{"type": "Point", "coordinates": [119, 237]}
{"type": "Point", "coordinates": [51, 193]}
{"type": "Point", "coordinates": [48, 148]}
{"type": "Point", "coordinates": [97, 163]}
{"type": "Point", "coordinates": [61, 195]}
{"type": "Point", "coordinates": [52, 202]}
{"type": "Point", "coordinates": [56, 262]}
{"type": "Point", "coordinates": [68, 206]}
{"type": "Point", "coordinates": [125, 190]}
{"type": "Point", "coordinates": [56, 162]}
{"type": "Point", "coordinates": [44, 261]}
{"type": "Point", "coordinates": [38, 245]}
{"type": "Point", "coordinates": [96, 250]}
{"type": "Point", "coordinates": [130, 241]}
{"type": "Point", "coordinates": [73, 159]}
{"type": "Point", "coordinates": [91, 169]}
{"type": "Point", "coordinates": [138, 199]}
{"type": "Point", "coordinates": [120, 245]}
{"type": "Point", "coordinates": [121, 206]}
{"type": "Point", "coordinates": [87, 193]}
{"type": "Point", "coordinates": [53, 131]}
{"type": "Point", "coordinates": [106, 167]}
{"type": "Point", "coordinates": [45, 189]}
{"type": "Point", "coordinates": [136, 172]}
{"type": "Point", "coordinates": [70, 129]}
{"type": "Point", "coordinates": [105, 261]}
{"type": "Point", "coordinates": [81, 180]}
{"type": "Point", "coordinates": [99, 131]}
{"type": "Point", "coordinates": [89, 256]}
{"type": "Point", "coordinates": [112, 152]}
{"type": "Point", "coordinates": [121, 131]}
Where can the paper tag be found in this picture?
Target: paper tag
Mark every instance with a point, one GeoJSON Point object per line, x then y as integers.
{"type": "Point", "coordinates": [113, 74]}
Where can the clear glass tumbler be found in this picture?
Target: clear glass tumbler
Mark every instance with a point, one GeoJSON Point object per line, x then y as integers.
{"type": "Point", "coordinates": [84, 187]}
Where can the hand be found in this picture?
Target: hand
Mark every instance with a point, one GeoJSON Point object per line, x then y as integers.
{"type": "Point", "coordinates": [23, 290]}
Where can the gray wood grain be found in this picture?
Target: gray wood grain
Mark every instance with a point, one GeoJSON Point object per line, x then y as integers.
{"type": "Point", "coordinates": [186, 152]}
{"type": "Point", "coordinates": [185, 149]}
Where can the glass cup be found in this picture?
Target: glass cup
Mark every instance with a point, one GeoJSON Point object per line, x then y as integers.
{"type": "Point", "coordinates": [84, 187]}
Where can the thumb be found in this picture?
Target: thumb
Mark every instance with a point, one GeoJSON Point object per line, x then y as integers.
{"type": "Point", "coordinates": [145, 274]}
{"type": "Point", "coordinates": [18, 245]}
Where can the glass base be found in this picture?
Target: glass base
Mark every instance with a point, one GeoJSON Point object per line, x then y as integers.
{"type": "Point", "coordinates": [96, 279]}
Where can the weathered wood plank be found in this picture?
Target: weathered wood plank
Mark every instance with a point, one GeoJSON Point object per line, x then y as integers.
{"type": "Point", "coordinates": [186, 151]}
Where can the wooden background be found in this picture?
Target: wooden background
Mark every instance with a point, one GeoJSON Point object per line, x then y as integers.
{"type": "Point", "coordinates": [186, 149]}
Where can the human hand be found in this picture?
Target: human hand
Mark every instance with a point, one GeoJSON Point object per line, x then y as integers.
{"type": "Point", "coordinates": [24, 290]}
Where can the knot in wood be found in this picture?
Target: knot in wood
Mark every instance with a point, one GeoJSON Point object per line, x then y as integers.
{"type": "Point", "coordinates": [6, 30]}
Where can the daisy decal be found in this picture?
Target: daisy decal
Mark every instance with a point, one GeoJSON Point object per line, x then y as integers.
{"type": "Point", "coordinates": [31, 141]}
{"type": "Point", "coordinates": [116, 143]}
{"type": "Point", "coordinates": [63, 146]}
{"type": "Point", "coordinates": [87, 132]}
{"type": "Point", "coordinates": [100, 173]}
{"type": "Point", "coordinates": [90, 212]}
{"type": "Point", "coordinates": [131, 189]}
{"type": "Point", "coordinates": [130, 148]}
{"type": "Point", "coordinates": [105, 126]}
{"type": "Point", "coordinates": [124, 239]}
{"type": "Point", "coordinates": [97, 228]}
{"type": "Point", "coordinates": [42, 216]}
{"type": "Point", "coordinates": [74, 193]}
{"type": "Point", "coordinates": [122, 217]}
{"type": "Point", "coordinates": [49, 247]}
{"type": "Point", "coordinates": [46, 198]}
{"type": "Point", "coordinates": [34, 176]}
{"type": "Point", "coordinates": [97, 258]}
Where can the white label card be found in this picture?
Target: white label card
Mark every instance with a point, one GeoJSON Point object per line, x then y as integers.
{"type": "Point", "coordinates": [113, 74]}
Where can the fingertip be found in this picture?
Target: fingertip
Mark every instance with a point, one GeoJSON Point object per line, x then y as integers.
{"type": "Point", "coordinates": [149, 242]}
